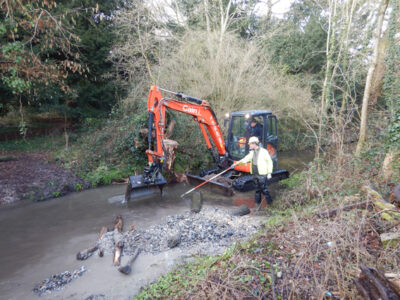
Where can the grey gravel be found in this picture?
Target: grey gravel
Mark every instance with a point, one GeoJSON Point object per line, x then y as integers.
{"type": "Point", "coordinates": [209, 228]}
{"type": "Point", "coordinates": [58, 281]}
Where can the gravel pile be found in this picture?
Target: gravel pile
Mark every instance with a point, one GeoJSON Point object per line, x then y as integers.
{"type": "Point", "coordinates": [58, 281]}
{"type": "Point", "coordinates": [209, 228]}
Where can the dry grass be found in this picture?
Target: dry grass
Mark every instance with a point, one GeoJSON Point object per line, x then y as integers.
{"type": "Point", "coordinates": [300, 260]}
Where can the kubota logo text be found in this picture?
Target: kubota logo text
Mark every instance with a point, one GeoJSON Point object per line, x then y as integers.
{"type": "Point", "coordinates": [190, 109]}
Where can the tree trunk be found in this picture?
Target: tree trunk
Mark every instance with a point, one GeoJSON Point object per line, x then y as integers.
{"type": "Point", "coordinates": [364, 111]}
{"type": "Point", "coordinates": [66, 132]}
{"type": "Point", "coordinates": [325, 88]}
{"type": "Point", "coordinates": [170, 149]}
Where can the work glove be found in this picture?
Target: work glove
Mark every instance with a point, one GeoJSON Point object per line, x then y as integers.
{"type": "Point", "coordinates": [269, 176]}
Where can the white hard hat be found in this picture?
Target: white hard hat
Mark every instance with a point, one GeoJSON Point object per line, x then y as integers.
{"type": "Point", "coordinates": [254, 139]}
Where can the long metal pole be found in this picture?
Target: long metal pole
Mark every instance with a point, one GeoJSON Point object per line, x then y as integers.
{"type": "Point", "coordinates": [203, 183]}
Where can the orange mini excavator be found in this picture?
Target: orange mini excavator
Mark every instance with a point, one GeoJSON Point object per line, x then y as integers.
{"type": "Point", "coordinates": [224, 152]}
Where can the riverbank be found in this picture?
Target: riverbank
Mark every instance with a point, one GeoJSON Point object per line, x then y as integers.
{"type": "Point", "coordinates": [40, 168]}
{"type": "Point", "coordinates": [34, 169]}
{"type": "Point", "coordinates": [34, 176]}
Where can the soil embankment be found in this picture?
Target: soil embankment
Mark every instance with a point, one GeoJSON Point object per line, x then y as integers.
{"type": "Point", "coordinates": [36, 177]}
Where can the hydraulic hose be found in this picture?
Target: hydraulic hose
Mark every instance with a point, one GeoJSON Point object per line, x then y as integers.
{"type": "Point", "coordinates": [150, 128]}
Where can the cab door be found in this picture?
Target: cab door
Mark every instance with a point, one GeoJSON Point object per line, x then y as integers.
{"type": "Point", "coordinates": [271, 138]}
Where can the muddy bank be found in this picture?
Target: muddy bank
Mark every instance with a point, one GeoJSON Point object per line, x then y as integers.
{"type": "Point", "coordinates": [34, 176]}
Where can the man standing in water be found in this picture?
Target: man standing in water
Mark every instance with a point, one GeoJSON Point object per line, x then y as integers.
{"type": "Point", "coordinates": [261, 167]}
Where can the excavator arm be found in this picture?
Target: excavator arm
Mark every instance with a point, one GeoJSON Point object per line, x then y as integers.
{"type": "Point", "coordinates": [199, 109]}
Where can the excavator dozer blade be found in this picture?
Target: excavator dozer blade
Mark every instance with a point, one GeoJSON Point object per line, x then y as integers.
{"type": "Point", "coordinates": [211, 186]}
{"type": "Point", "coordinates": [137, 188]}
{"type": "Point", "coordinates": [246, 183]}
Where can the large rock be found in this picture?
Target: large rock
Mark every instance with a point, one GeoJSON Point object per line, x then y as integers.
{"type": "Point", "coordinates": [240, 210]}
{"type": "Point", "coordinates": [173, 239]}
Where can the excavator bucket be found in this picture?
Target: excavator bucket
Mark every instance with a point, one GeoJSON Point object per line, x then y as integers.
{"type": "Point", "coordinates": [138, 188]}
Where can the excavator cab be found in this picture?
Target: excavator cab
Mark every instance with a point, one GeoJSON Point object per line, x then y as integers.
{"type": "Point", "coordinates": [243, 125]}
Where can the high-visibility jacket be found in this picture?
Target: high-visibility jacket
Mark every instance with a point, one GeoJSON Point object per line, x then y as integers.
{"type": "Point", "coordinates": [264, 161]}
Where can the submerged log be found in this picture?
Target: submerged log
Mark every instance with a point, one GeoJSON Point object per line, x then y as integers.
{"type": "Point", "coordinates": [373, 285]}
{"type": "Point", "coordinates": [127, 269]}
{"type": "Point", "coordinates": [85, 254]}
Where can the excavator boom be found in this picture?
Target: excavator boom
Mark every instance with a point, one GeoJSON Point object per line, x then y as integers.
{"type": "Point", "coordinates": [199, 109]}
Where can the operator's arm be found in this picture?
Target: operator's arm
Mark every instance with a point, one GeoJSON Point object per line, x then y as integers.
{"type": "Point", "coordinates": [245, 159]}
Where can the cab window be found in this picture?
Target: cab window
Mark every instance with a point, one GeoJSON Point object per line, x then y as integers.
{"type": "Point", "coordinates": [272, 126]}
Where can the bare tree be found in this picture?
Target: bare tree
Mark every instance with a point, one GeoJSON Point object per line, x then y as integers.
{"type": "Point", "coordinates": [364, 111]}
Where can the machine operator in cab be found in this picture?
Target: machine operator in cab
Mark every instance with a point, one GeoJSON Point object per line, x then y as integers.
{"type": "Point", "coordinates": [255, 129]}
{"type": "Point", "coordinates": [261, 166]}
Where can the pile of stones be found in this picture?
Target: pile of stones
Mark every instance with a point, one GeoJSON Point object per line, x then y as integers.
{"type": "Point", "coordinates": [209, 228]}
{"type": "Point", "coordinates": [58, 281]}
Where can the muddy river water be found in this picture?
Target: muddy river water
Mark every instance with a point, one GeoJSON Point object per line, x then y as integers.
{"type": "Point", "coordinates": [41, 239]}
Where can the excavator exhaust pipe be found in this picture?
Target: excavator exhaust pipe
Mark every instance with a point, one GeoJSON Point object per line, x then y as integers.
{"type": "Point", "coordinates": [137, 187]}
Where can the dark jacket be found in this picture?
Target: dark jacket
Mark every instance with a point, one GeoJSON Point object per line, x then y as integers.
{"type": "Point", "coordinates": [256, 131]}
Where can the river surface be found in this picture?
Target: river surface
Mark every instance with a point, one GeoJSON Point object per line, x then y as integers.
{"type": "Point", "coordinates": [38, 240]}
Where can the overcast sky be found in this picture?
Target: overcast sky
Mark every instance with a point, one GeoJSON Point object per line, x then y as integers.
{"type": "Point", "coordinates": [278, 9]}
